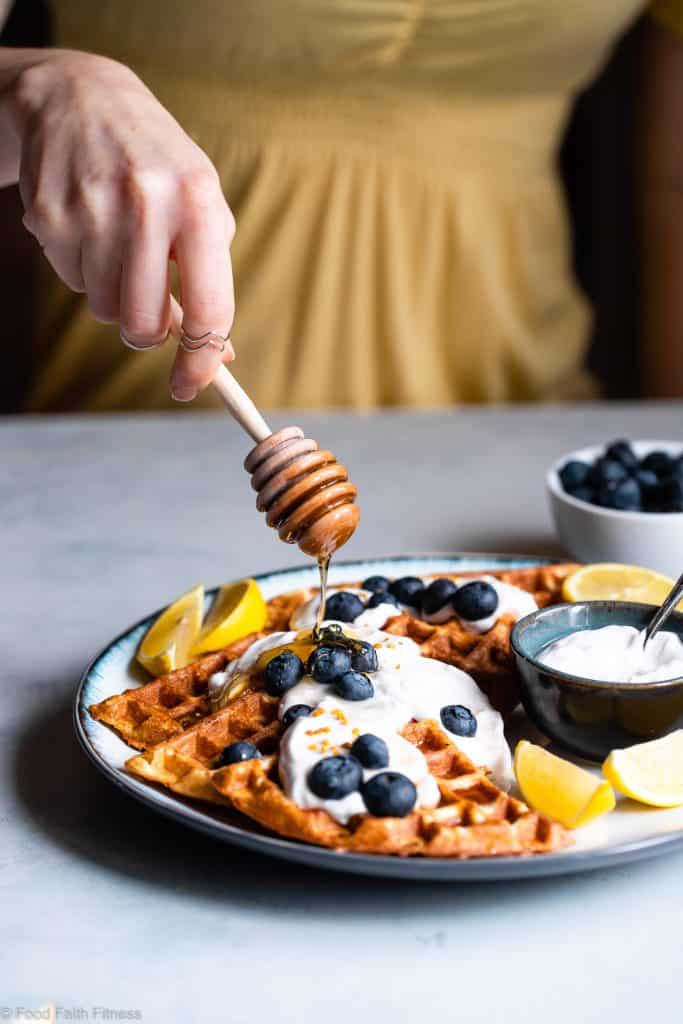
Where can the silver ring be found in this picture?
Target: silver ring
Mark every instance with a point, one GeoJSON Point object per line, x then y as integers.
{"type": "Point", "coordinates": [212, 338]}
{"type": "Point", "coordinates": [142, 348]}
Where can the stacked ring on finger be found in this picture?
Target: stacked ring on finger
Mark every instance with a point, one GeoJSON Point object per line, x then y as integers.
{"type": "Point", "coordinates": [212, 338]}
{"type": "Point", "coordinates": [142, 348]}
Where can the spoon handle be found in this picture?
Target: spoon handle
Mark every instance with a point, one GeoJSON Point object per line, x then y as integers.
{"type": "Point", "coordinates": [665, 609]}
{"type": "Point", "coordinates": [239, 405]}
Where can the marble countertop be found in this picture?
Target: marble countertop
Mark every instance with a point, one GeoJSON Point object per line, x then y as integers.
{"type": "Point", "coordinates": [110, 912]}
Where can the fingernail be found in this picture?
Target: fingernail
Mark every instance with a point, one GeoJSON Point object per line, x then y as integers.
{"type": "Point", "coordinates": [183, 393]}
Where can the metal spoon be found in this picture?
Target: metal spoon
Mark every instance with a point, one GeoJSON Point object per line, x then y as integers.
{"type": "Point", "coordinates": [664, 610]}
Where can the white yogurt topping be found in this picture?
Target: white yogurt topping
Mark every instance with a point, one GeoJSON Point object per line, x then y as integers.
{"type": "Point", "coordinates": [407, 686]}
{"type": "Point", "coordinates": [511, 601]}
{"type": "Point", "coordinates": [373, 618]}
{"type": "Point", "coordinates": [614, 654]}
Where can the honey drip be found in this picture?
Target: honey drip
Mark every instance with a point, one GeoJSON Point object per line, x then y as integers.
{"type": "Point", "coordinates": [323, 566]}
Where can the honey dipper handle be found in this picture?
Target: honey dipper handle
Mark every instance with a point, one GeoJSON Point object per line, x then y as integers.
{"type": "Point", "coordinates": [240, 405]}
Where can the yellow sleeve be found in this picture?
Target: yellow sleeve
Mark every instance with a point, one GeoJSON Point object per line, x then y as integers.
{"type": "Point", "coordinates": [669, 13]}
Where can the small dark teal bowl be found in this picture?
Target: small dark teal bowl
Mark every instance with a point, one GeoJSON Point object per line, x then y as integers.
{"type": "Point", "coordinates": [587, 716]}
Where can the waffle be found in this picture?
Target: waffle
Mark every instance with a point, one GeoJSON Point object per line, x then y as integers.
{"type": "Point", "coordinates": [184, 762]}
{"type": "Point", "coordinates": [474, 817]}
{"type": "Point", "coordinates": [149, 714]}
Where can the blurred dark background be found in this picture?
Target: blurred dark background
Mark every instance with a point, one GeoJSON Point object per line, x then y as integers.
{"type": "Point", "coordinates": [597, 167]}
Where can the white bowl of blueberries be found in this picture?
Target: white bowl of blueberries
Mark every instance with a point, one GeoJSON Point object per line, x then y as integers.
{"type": "Point", "coordinates": [621, 502]}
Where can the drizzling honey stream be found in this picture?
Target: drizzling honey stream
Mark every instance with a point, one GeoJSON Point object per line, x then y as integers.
{"type": "Point", "coordinates": [306, 495]}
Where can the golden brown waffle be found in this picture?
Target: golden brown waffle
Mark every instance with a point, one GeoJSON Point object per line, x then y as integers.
{"type": "Point", "coordinates": [165, 707]}
{"type": "Point", "coordinates": [474, 818]}
{"type": "Point", "coordinates": [183, 763]}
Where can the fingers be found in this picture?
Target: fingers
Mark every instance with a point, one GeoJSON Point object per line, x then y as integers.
{"type": "Point", "coordinates": [66, 261]}
{"type": "Point", "coordinates": [145, 287]}
{"type": "Point", "coordinates": [101, 269]}
{"type": "Point", "coordinates": [202, 251]}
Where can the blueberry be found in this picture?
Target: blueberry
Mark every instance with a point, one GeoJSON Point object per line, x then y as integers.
{"type": "Point", "coordinates": [408, 590]}
{"type": "Point", "coordinates": [437, 594]}
{"type": "Point", "coordinates": [606, 471]}
{"type": "Point", "coordinates": [371, 751]}
{"type": "Point", "coordinates": [242, 750]}
{"type": "Point", "coordinates": [382, 597]}
{"type": "Point", "coordinates": [659, 462]}
{"type": "Point", "coordinates": [377, 584]}
{"type": "Point", "coordinates": [475, 600]}
{"type": "Point", "coordinates": [326, 663]}
{"type": "Point", "coordinates": [624, 495]}
{"type": "Point", "coordinates": [584, 494]}
{"type": "Point", "coordinates": [335, 777]}
{"type": "Point", "coordinates": [353, 686]}
{"type": "Point", "coordinates": [646, 478]}
{"type": "Point", "coordinates": [389, 795]}
{"type": "Point", "coordinates": [574, 474]}
{"type": "Point", "coordinates": [622, 452]}
{"type": "Point", "coordinates": [649, 488]}
{"type": "Point", "coordinates": [343, 606]}
{"type": "Point", "coordinates": [283, 672]}
{"type": "Point", "coordinates": [667, 496]}
{"type": "Point", "coordinates": [458, 720]}
{"type": "Point", "coordinates": [294, 712]}
{"type": "Point", "coordinates": [364, 659]}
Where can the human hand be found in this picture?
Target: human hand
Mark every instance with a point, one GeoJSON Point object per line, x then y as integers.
{"type": "Point", "coordinates": [113, 189]}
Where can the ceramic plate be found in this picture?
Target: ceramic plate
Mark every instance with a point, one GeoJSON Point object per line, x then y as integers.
{"type": "Point", "coordinates": [629, 833]}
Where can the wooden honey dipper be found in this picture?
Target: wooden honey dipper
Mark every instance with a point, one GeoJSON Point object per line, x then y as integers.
{"type": "Point", "coordinates": [305, 493]}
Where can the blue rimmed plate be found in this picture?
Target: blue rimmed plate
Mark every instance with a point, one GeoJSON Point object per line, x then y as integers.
{"type": "Point", "coordinates": [629, 833]}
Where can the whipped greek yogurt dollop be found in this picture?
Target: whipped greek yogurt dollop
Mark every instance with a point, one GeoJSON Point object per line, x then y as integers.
{"type": "Point", "coordinates": [305, 615]}
{"type": "Point", "coordinates": [407, 687]}
{"type": "Point", "coordinates": [511, 601]}
{"type": "Point", "coordinates": [614, 654]}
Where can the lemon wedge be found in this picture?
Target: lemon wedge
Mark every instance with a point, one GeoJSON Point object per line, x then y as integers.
{"type": "Point", "coordinates": [558, 788]}
{"type": "Point", "coordinates": [609, 581]}
{"type": "Point", "coordinates": [651, 773]}
{"type": "Point", "coordinates": [239, 608]}
{"type": "Point", "coordinates": [168, 643]}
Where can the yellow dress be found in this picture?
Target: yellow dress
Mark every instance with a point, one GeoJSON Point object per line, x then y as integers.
{"type": "Point", "coordinates": [401, 236]}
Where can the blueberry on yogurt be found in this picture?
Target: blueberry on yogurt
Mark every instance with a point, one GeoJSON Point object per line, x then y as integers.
{"type": "Point", "coordinates": [458, 719]}
{"type": "Point", "coordinates": [343, 606]}
{"type": "Point", "coordinates": [333, 778]}
{"type": "Point", "coordinates": [389, 795]}
{"type": "Point", "coordinates": [475, 600]}
{"type": "Point", "coordinates": [326, 663]}
{"type": "Point", "coordinates": [376, 584]}
{"type": "Point", "coordinates": [437, 595]}
{"type": "Point", "coordinates": [371, 751]}
{"type": "Point", "coordinates": [294, 712]}
{"type": "Point", "coordinates": [364, 658]}
{"type": "Point", "coordinates": [283, 672]}
{"type": "Point", "coordinates": [408, 590]}
{"type": "Point", "coordinates": [382, 597]}
{"type": "Point", "coordinates": [353, 686]}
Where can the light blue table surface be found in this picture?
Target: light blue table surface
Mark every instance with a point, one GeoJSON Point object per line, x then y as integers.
{"type": "Point", "coordinates": [103, 904]}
